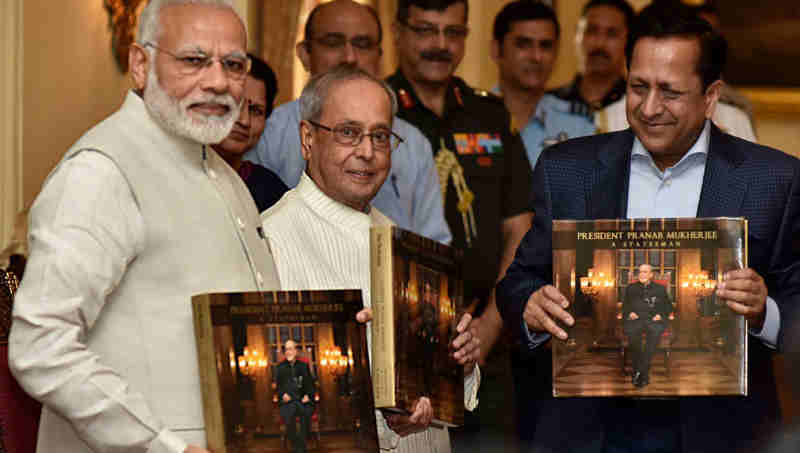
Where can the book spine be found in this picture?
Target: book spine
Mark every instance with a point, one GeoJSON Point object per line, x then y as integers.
{"type": "Point", "coordinates": [212, 402]}
{"type": "Point", "coordinates": [383, 344]}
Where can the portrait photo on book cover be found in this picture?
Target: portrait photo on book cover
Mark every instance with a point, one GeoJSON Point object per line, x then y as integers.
{"type": "Point", "coordinates": [284, 384]}
{"type": "Point", "coordinates": [648, 322]}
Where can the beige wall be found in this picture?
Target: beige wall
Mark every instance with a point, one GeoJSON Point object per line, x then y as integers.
{"type": "Point", "coordinates": [71, 81]}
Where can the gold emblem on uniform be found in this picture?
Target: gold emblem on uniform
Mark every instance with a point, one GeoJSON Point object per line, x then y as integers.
{"type": "Point", "coordinates": [405, 98]}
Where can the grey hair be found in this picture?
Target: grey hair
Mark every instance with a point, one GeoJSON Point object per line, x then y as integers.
{"type": "Point", "coordinates": [150, 25]}
{"type": "Point", "coordinates": [317, 89]}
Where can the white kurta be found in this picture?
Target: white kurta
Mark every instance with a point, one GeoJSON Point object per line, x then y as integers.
{"type": "Point", "coordinates": [319, 243]}
{"type": "Point", "coordinates": [130, 224]}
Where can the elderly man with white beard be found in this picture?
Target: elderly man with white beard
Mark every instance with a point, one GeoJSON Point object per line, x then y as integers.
{"type": "Point", "coordinates": [138, 216]}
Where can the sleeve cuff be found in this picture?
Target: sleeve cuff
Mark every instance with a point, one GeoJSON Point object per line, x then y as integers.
{"type": "Point", "coordinates": [167, 442]}
{"type": "Point", "coordinates": [387, 439]}
{"type": "Point", "coordinates": [534, 340]}
{"type": "Point", "coordinates": [772, 325]}
{"type": "Point", "coordinates": [471, 385]}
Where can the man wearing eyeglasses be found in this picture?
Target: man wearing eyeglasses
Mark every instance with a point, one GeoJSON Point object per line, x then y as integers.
{"type": "Point", "coordinates": [138, 216]}
{"type": "Point", "coordinates": [260, 89]}
{"type": "Point", "coordinates": [345, 32]}
{"type": "Point", "coordinates": [483, 168]}
{"type": "Point", "coordinates": [319, 231]}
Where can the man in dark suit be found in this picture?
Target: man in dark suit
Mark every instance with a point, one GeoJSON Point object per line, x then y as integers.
{"type": "Point", "coordinates": [673, 162]}
{"type": "Point", "coordinates": [295, 395]}
{"type": "Point", "coordinates": [645, 310]}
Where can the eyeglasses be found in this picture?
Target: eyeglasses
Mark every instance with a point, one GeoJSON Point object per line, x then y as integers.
{"type": "Point", "coordinates": [336, 41]}
{"type": "Point", "coordinates": [427, 31]}
{"type": "Point", "coordinates": [382, 139]}
{"type": "Point", "coordinates": [235, 67]}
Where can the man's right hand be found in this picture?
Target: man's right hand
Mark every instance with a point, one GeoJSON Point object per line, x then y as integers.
{"type": "Point", "coordinates": [195, 449]}
{"type": "Point", "coordinates": [633, 316]}
{"type": "Point", "coordinates": [286, 398]}
{"type": "Point", "coordinates": [544, 307]}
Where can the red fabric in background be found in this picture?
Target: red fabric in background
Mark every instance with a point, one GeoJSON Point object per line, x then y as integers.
{"type": "Point", "coordinates": [19, 413]}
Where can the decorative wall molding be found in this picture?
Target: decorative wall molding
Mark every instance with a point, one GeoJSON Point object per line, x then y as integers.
{"type": "Point", "coordinates": [11, 79]}
{"type": "Point", "coordinates": [123, 18]}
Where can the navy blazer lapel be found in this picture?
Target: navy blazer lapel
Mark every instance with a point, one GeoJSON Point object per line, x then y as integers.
{"type": "Point", "coordinates": [723, 190]}
{"type": "Point", "coordinates": [608, 192]}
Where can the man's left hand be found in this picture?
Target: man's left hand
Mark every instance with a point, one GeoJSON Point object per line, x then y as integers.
{"type": "Point", "coordinates": [744, 292]}
{"type": "Point", "coordinates": [305, 399]}
{"type": "Point", "coordinates": [467, 345]}
{"type": "Point", "coordinates": [420, 418]}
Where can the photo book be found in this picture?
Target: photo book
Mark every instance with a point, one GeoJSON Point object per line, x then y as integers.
{"type": "Point", "coordinates": [416, 302]}
{"type": "Point", "coordinates": [280, 368]}
{"type": "Point", "coordinates": [648, 322]}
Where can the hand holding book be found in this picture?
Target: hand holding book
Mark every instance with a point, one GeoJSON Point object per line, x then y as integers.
{"type": "Point", "coordinates": [545, 306]}
{"type": "Point", "coordinates": [195, 449]}
{"type": "Point", "coordinates": [467, 345]}
{"type": "Point", "coordinates": [420, 418]}
{"type": "Point", "coordinates": [744, 292]}
{"type": "Point", "coordinates": [364, 315]}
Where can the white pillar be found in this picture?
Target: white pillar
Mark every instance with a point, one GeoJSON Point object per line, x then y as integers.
{"type": "Point", "coordinates": [11, 64]}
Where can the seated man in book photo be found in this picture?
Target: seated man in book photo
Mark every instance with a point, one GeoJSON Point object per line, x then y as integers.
{"type": "Point", "coordinates": [295, 387]}
{"type": "Point", "coordinates": [319, 231]}
{"type": "Point", "coordinates": [139, 215]}
{"type": "Point", "coordinates": [672, 162]}
{"type": "Point", "coordinates": [645, 310]}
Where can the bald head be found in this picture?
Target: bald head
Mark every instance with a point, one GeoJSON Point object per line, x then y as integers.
{"type": "Point", "coordinates": [290, 350]}
{"type": "Point", "coordinates": [341, 32]}
{"type": "Point", "coordinates": [645, 273]}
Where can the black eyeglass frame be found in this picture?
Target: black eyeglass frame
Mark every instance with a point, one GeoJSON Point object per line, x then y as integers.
{"type": "Point", "coordinates": [192, 68]}
{"type": "Point", "coordinates": [452, 32]}
{"type": "Point", "coordinates": [357, 141]}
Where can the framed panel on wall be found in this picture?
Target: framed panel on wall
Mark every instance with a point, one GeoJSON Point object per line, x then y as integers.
{"type": "Point", "coordinates": [759, 37]}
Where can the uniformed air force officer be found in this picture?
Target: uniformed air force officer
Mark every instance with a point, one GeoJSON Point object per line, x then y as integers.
{"type": "Point", "coordinates": [525, 47]}
{"type": "Point", "coordinates": [645, 310]}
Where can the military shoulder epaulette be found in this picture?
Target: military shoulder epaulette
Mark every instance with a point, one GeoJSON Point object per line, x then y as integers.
{"type": "Point", "coordinates": [580, 108]}
{"type": "Point", "coordinates": [487, 95]}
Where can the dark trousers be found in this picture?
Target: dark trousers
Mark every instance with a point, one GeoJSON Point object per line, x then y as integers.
{"type": "Point", "coordinates": [290, 411]}
{"type": "Point", "coordinates": [641, 355]}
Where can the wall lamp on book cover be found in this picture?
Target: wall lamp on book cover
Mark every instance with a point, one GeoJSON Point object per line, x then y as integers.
{"type": "Point", "coordinates": [251, 362]}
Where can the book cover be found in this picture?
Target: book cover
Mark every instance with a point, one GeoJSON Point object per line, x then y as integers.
{"type": "Point", "coordinates": [648, 322]}
{"type": "Point", "coordinates": [416, 300]}
{"type": "Point", "coordinates": [279, 368]}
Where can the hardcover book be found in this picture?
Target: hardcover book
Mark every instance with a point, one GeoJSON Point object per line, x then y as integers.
{"type": "Point", "coordinates": [416, 296]}
{"type": "Point", "coordinates": [648, 322]}
{"type": "Point", "coordinates": [282, 368]}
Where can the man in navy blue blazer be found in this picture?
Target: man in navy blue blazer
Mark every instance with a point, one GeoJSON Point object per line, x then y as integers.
{"type": "Point", "coordinates": [672, 162]}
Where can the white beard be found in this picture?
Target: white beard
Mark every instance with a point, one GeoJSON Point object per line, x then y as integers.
{"type": "Point", "coordinates": [174, 115]}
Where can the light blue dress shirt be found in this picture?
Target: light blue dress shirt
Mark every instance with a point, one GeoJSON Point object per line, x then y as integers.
{"type": "Point", "coordinates": [674, 192]}
{"type": "Point", "coordinates": [411, 196]}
